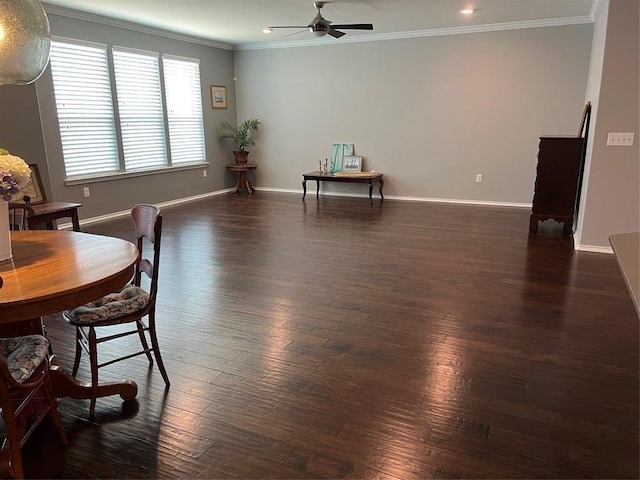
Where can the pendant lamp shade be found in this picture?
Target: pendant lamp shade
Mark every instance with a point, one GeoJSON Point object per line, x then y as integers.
{"type": "Point", "coordinates": [25, 41]}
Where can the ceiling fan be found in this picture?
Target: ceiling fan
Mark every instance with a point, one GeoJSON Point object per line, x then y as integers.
{"type": "Point", "coordinates": [320, 26]}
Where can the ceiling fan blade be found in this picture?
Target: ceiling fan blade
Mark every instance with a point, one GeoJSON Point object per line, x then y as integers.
{"type": "Point", "coordinates": [295, 33]}
{"type": "Point", "coordinates": [290, 26]}
{"type": "Point", "coordinates": [335, 33]}
{"type": "Point", "coordinates": [354, 26]}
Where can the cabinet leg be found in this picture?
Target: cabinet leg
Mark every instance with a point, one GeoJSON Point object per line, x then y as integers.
{"type": "Point", "coordinates": [533, 224]}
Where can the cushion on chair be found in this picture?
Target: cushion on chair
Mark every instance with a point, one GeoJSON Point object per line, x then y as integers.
{"type": "Point", "coordinates": [115, 305]}
{"type": "Point", "coordinates": [24, 354]}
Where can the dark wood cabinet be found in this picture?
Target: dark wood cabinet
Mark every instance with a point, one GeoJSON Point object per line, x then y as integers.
{"type": "Point", "coordinates": [558, 181]}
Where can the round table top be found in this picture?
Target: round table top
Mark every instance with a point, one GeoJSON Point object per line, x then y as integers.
{"type": "Point", "coordinates": [53, 270]}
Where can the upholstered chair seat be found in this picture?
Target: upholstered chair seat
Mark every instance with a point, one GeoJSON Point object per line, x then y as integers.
{"type": "Point", "coordinates": [24, 354]}
{"type": "Point", "coordinates": [113, 306]}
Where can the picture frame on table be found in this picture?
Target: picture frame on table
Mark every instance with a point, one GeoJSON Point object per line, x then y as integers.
{"type": "Point", "coordinates": [218, 96]}
{"type": "Point", "coordinates": [34, 189]}
{"type": "Point", "coordinates": [351, 163]}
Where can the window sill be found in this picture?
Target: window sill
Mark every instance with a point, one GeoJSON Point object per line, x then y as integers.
{"type": "Point", "coordinates": [82, 180]}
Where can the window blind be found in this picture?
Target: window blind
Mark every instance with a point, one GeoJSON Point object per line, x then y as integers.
{"type": "Point", "coordinates": [84, 107]}
{"type": "Point", "coordinates": [140, 107]}
{"type": "Point", "coordinates": [184, 109]}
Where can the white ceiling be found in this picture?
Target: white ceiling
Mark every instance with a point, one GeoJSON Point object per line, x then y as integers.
{"type": "Point", "coordinates": [240, 22]}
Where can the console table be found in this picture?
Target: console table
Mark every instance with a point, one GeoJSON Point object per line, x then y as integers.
{"type": "Point", "coordinates": [355, 178]}
{"type": "Point", "coordinates": [243, 181]}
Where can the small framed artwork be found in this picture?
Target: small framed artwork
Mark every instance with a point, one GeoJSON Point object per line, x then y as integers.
{"type": "Point", "coordinates": [351, 164]}
{"type": "Point", "coordinates": [34, 189]}
{"type": "Point", "coordinates": [218, 96]}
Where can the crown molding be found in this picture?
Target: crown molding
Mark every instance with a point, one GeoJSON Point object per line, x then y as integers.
{"type": "Point", "coordinates": [436, 32]}
{"type": "Point", "coordinates": [114, 22]}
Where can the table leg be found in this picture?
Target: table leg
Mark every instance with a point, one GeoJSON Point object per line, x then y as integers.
{"type": "Point", "coordinates": [304, 189]}
{"type": "Point", "coordinates": [237, 187]}
{"type": "Point", "coordinates": [64, 385]}
{"type": "Point", "coordinates": [248, 184]}
{"type": "Point", "coordinates": [370, 192]}
{"type": "Point", "coordinates": [317, 188]}
{"type": "Point", "coordinates": [75, 220]}
{"type": "Point", "coordinates": [381, 196]}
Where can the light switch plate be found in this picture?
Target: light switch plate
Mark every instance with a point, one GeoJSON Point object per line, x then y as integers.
{"type": "Point", "coordinates": [620, 139]}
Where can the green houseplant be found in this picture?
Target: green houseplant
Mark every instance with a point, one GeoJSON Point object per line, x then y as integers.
{"type": "Point", "coordinates": [241, 137]}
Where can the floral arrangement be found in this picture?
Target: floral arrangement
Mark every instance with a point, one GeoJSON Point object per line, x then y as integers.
{"type": "Point", "coordinates": [15, 174]}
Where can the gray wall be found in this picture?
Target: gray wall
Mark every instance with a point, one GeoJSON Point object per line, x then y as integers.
{"type": "Point", "coordinates": [20, 131]}
{"type": "Point", "coordinates": [430, 113]}
{"type": "Point", "coordinates": [611, 197]}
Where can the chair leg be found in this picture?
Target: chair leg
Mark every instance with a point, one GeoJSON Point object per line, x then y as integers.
{"type": "Point", "coordinates": [13, 438]}
{"type": "Point", "coordinates": [143, 340]}
{"type": "Point", "coordinates": [53, 410]}
{"type": "Point", "coordinates": [93, 359]}
{"type": "Point", "coordinates": [156, 348]}
{"type": "Point", "coordinates": [76, 362]}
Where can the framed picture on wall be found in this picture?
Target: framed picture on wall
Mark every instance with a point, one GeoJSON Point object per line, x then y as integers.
{"type": "Point", "coordinates": [34, 189]}
{"type": "Point", "coordinates": [351, 163]}
{"type": "Point", "coordinates": [218, 96]}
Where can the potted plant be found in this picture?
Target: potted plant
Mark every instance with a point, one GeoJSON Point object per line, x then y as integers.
{"type": "Point", "coordinates": [241, 137]}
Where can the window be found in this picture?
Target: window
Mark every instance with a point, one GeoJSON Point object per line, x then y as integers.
{"type": "Point", "coordinates": [140, 107]}
{"type": "Point", "coordinates": [184, 109]}
{"type": "Point", "coordinates": [85, 111]}
{"type": "Point", "coordinates": [93, 132]}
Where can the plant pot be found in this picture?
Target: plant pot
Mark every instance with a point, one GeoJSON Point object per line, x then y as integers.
{"type": "Point", "coordinates": [240, 156]}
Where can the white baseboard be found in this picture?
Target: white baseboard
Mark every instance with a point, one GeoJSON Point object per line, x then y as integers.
{"type": "Point", "coordinates": [124, 213]}
{"type": "Point", "coordinates": [594, 249]}
{"type": "Point", "coordinates": [179, 201]}
{"type": "Point", "coordinates": [406, 199]}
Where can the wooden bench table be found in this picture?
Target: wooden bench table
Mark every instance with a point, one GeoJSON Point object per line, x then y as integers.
{"type": "Point", "coordinates": [362, 177]}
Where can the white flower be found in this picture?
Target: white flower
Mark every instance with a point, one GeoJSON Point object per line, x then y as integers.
{"type": "Point", "coordinates": [15, 174]}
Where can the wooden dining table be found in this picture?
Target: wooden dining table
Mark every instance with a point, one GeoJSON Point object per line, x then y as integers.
{"type": "Point", "coordinates": [54, 270]}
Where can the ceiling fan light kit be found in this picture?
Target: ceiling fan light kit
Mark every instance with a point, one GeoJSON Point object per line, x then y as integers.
{"type": "Point", "coordinates": [320, 26]}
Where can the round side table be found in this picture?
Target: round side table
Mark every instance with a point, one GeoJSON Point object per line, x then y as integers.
{"type": "Point", "coordinates": [243, 181]}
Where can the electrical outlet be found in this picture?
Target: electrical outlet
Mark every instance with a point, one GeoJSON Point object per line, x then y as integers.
{"type": "Point", "coordinates": [478, 178]}
{"type": "Point", "coordinates": [620, 139]}
{"type": "Point", "coordinates": [86, 192]}
{"type": "Point", "coordinates": [204, 173]}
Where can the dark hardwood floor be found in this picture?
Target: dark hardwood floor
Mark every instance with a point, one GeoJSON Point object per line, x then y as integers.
{"type": "Point", "coordinates": [334, 339]}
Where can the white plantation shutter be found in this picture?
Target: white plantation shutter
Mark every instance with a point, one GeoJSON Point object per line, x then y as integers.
{"type": "Point", "coordinates": [140, 107]}
{"type": "Point", "coordinates": [184, 109]}
{"type": "Point", "coordinates": [85, 96]}
{"type": "Point", "coordinates": [85, 110]}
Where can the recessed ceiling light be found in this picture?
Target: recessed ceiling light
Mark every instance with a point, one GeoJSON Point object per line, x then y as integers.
{"type": "Point", "coordinates": [267, 30]}
{"type": "Point", "coordinates": [467, 11]}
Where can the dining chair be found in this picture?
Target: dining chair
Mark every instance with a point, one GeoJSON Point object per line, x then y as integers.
{"type": "Point", "coordinates": [26, 394]}
{"type": "Point", "coordinates": [131, 305]}
{"type": "Point", "coordinates": [18, 215]}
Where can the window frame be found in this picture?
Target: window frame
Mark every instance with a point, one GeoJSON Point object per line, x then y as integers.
{"type": "Point", "coordinates": [170, 166]}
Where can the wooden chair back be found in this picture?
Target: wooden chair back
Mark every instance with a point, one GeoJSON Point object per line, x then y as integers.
{"type": "Point", "coordinates": [148, 225]}
{"type": "Point", "coordinates": [24, 405]}
{"type": "Point", "coordinates": [18, 215]}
